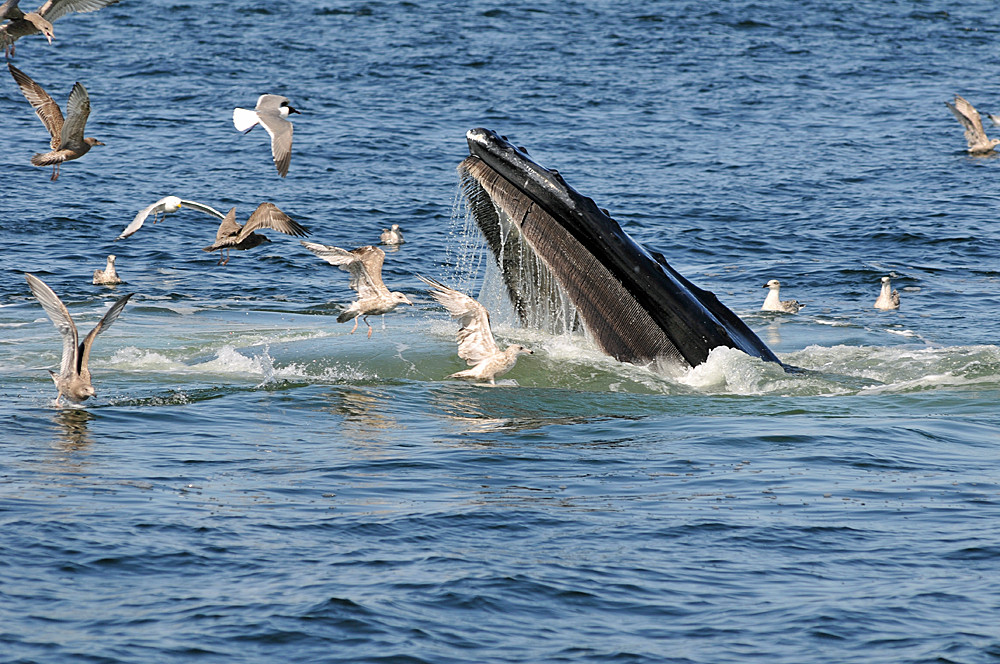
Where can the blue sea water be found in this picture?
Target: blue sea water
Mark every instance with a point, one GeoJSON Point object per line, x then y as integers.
{"type": "Point", "coordinates": [254, 483]}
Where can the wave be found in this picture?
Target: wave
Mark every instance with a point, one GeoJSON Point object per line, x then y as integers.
{"type": "Point", "coordinates": [424, 351]}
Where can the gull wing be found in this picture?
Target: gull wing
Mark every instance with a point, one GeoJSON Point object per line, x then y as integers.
{"type": "Point", "coordinates": [372, 258]}
{"type": "Point", "coordinates": [229, 228]}
{"type": "Point", "coordinates": [352, 263]}
{"type": "Point", "coordinates": [54, 9]}
{"type": "Point", "coordinates": [475, 337]}
{"type": "Point", "coordinates": [46, 109]}
{"type": "Point", "coordinates": [60, 318]}
{"type": "Point", "coordinates": [9, 10]}
{"type": "Point", "coordinates": [77, 112]}
{"type": "Point", "coordinates": [201, 207]}
{"type": "Point", "coordinates": [969, 117]}
{"type": "Point", "coordinates": [161, 206]}
{"type": "Point", "coordinates": [280, 131]}
{"type": "Point", "coordinates": [267, 215]}
{"type": "Point", "coordinates": [109, 317]}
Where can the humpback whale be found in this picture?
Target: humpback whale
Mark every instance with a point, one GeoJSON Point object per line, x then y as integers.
{"type": "Point", "coordinates": [568, 265]}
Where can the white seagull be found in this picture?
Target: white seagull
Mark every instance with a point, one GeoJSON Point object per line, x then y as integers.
{"type": "Point", "coordinates": [975, 135]}
{"type": "Point", "coordinates": [165, 205]}
{"type": "Point", "coordinates": [392, 236]}
{"type": "Point", "coordinates": [108, 276]}
{"type": "Point", "coordinates": [364, 264]}
{"type": "Point", "coordinates": [773, 301]}
{"type": "Point", "coordinates": [476, 344]}
{"type": "Point", "coordinates": [272, 114]}
{"type": "Point", "coordinates": [887, 299]}
{"type": "Point", "coordinates": [73, 379]}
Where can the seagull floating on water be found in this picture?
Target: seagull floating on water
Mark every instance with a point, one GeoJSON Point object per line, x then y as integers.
{"type": "Point", "coordinates": [887, 299]}
{"type": "Point", "coordinates": [272, 114]}
{"type": "Point", "coordinates": [392, 236]}
{"type": "Point", "coordinates": [364, 264]}
{"type": "Point", "coordinates": [165, 205]}
{"type": "Point", "coordinates": [975, 135]}
{"type": "Point", "coordinates": [476, 344]}
{"type": "Point", "coordinates": [108, 276]}
{"type": "Point", "coordinates": [22, 24]}
{"type": "Point", "coordinates": [773, 302]}
{"type": "Point", "coordinates": [67, 136]}
{"type": "Point", "coordinates": [233, 236]}
{"type": "Point", "coordinates": [73, 379]}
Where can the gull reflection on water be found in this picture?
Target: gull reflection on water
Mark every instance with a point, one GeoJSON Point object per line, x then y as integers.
{"type": "Point", "coordinates": [73, 427]}
{"type": "Point", "coordinates": [367, 416]}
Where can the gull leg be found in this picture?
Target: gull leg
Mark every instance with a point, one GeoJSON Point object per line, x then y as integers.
{"type": "Point", "coordinates": [55, 172]}
{"type": "Point", "coordinates": [355, 328]}
{"type": "Point", "coordinates": [369, 327]}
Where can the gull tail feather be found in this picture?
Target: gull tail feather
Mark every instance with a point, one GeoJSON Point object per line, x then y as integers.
{"type": "Point", "coordinates": [244, 120]}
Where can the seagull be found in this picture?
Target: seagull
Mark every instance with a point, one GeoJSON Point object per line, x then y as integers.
{"type": "Point", "coordinates": [20, 25]}
{"type": "Point", "coordinates": [975, 135]}
{"type": "Point", "coordinates": [392, 236]}
{"type": "Point", "coordinates": [67, 137]}
{"type": "Point", "coordinates": [364, 264]}
{"type": "Point", "coordinates": [233, 236]}
{"type": "Point", "coordinates": [476, 344]}
{"type": "Point", "coordinates": [73, 379]}
{"type": "Point", "coordinates": [23, 24]}
{"type": "Point", "coordinates": [107, 276]}
{"type": "Point", "coordinates": [165, 205]}
{"type": "Point", "coordinates": [888, 298]}
{"type": "Point", "coordinates": [272, 114]}
{"type": "Point", "coordinates": [773, 303]}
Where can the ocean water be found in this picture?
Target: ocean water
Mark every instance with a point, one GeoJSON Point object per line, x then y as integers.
{"type": "Point", "coordinates": [254, 483]}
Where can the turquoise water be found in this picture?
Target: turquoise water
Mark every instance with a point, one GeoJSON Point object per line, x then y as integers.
{"type": "Point", "coordinates": [253, 482]}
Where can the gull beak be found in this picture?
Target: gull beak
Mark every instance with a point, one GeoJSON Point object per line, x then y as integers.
{"type": "Point", "coordinates": [292, 110]}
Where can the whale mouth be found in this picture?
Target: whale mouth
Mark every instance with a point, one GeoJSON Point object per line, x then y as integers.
{"type": "Point", "coordinates": [567, 265]}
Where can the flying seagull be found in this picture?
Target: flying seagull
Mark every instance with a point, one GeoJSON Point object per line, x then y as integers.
{"type": "Point", "coordinates": [975, 135]}
{"type": "Point", "coordinates": [887, 299]}
{"type": "Point", "coordinates": [391, 236]}
{"type": "Point", "coordinates": [67, 136]}
{"type": "Point", "coordinates": [22, 24]}
{"type": "Point", "coordinates": [165, 205]}
{"type": "Point", "coordinates": [19, 25]}
{"type": "Point", "coordinates": [73, 379]}
{"type": "Point", "coordinates": [476, 344]}
{"type": "Point", "coordinates": [364, 264]}
{"type": "Point", "coordinates": [233, 236]}
{"type": "Point", "coordinates": [773, 302]}
{"type": "Point", "coordinates": [108, 276]}
{"type": "Point", "coordinates": [272, 114]}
